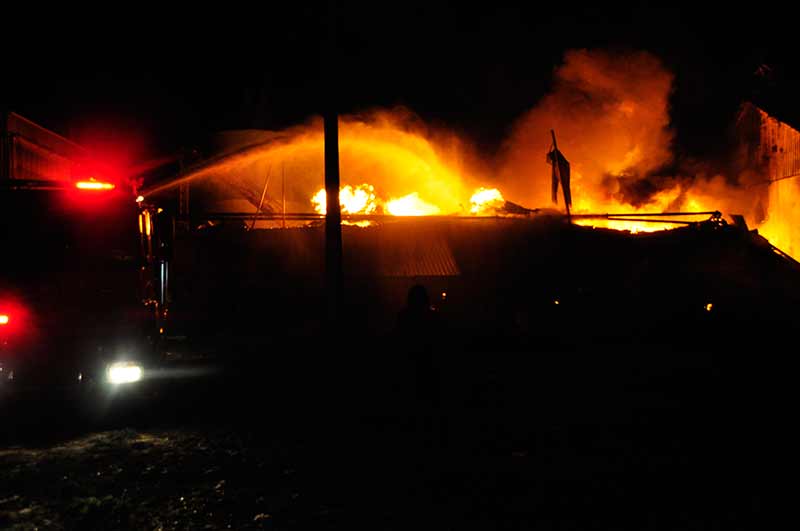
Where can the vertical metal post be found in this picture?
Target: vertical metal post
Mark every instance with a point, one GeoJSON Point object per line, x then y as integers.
{"type": "Point", "coordinates": [333, 217]}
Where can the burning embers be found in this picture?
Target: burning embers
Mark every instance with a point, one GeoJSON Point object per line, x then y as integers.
{"type": "Point", "coordinates": [362, 199]}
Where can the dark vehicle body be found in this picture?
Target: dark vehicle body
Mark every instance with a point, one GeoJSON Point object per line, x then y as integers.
{"type": "Point", "coordinates": [73, 281]}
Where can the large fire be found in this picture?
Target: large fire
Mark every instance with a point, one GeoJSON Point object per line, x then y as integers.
{"type": "Point", "coordinates": [353, 200]}
{"type": "Point", "coordinates": [611, 117]}
{"type": "Point", "coordinates": [485, 200]}
{"type": "Point", "coordinates": [411, 205]}
{"type": "Point", "coordinates": [362, 200]}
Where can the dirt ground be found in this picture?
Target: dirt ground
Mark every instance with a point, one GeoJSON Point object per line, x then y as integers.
{"type": "Point", "coordinates": [684, 449]}
{"type": "Point", "coordinates": [131, 479]}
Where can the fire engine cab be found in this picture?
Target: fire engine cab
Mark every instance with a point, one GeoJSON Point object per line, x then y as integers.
{"type": "Point", "coordinates": [78, 301]}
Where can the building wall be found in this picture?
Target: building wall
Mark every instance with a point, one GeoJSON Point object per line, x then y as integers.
{"type": "Point", "coordinates": [773, 150]}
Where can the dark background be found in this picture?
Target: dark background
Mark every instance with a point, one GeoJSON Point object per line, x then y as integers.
{"type": "Point", "coordinates": [141, 81]}
{"type": "Point", "coordinates": [599, 438]}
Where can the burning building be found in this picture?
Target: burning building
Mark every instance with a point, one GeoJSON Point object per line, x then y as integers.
{"type": "Point", "coordinates": [421, 206]}
{"type": "Point", "coordinates": [501, 273]}
{"type": "Point", "coordinates": [770, 150]}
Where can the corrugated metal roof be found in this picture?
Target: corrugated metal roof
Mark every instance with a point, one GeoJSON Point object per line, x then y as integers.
{"type": "Point", "coordinates": [404, 250]}
{"type": "Point", "coordinates": [418, 258]}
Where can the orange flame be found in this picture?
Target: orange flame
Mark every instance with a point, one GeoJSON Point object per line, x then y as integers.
{"type": "Point", "coordinates": [611, 117]}
{"type": "Point", "coordinates": [362, 200]}
{"type": "Point", "coordinates": [411, 205]}
{"type": "Point", "coordinates": [358, 200]}
{"type": "Point", "coordinates": [484, 201]}
{"type": "Point", "coordinates": [391, 150]}
{"type": "Point", "coordinates": [610, 113]}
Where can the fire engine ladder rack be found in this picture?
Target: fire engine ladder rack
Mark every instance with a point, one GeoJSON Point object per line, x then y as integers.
{"type": "Point", "coordinates": [32, 184]}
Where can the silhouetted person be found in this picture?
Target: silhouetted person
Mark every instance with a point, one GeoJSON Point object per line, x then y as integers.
{"type": "Point", "coordinates": [420, 335]}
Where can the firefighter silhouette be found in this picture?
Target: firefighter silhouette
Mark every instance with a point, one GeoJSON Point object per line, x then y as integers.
{"type": "Point", "coordinates": [420, 334]}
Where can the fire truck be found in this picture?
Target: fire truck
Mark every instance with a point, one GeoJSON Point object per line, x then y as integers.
{"type": "Point", "coordinates": [79, 307]}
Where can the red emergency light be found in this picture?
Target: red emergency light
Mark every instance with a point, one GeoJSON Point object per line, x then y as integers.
{"type": "Point", "coordinates": [12, 316]}
{"type": "Point", "coordinates": [94, 185]}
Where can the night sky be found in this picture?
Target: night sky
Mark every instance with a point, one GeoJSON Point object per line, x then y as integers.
{"type": "Point", "coordinates": [147, 81]}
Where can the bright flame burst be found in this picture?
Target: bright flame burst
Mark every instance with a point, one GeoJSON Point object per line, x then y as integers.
{"type": "Point", "coordinates": [358, 200]}
{"type": "Point", "coordinates": [666, 200]}
{"type": "Point", "coordinates": [362, 200]}
{"type": "Point", "coordinates": [484, 201]}
{"type": "Point", "coordinates": [411, 205]}
{"type": "Point", "coordinates": [619, 134]}
{"type": "Point", "coordinates": [413, 171]}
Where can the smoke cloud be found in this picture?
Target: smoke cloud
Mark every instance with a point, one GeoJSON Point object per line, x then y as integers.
{"type": "Point", "coordinates": [610, 114]}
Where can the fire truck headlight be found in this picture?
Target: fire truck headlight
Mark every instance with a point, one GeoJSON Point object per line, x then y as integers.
{"type": "Point", "coordinates": [123, 372]}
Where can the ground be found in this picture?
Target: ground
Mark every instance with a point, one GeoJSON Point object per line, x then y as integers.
{"type": "Point", "coordinates": [644, 447]}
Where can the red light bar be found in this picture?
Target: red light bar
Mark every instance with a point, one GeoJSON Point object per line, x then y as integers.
{"type": "Point", "coordinates": [93, 185]}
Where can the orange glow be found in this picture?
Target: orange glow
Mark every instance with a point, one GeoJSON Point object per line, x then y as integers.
{"type": "Point", "coordinates": [4, 319]}
{"type": "Point", "coordinates": [362, 200]}
{"type": "Point", "coordinates": [778, 156]}
{"type": "Point", "coordinates": [486, 201]}
{"type": "Point", "coordinates": [320, 201]}
{"type": "Point", "coordinates": [610, 113]}
{"type": "Point", "coordinates": [392, 151]}
{"type": "Point", "coordinates": [674, 198]}
{"type": "Point", "coordinates": [93, 185]}
{"type": "Point", "coordinates": [393, 164]}
{"type": "Point", "coordinates": [147, 223]}
{"type": "Point", "coordinates": [362, 223]}
{"type": "Point", "coordinates": [411, 205]}
{"type": "Point", "coordinates": [358, 200]}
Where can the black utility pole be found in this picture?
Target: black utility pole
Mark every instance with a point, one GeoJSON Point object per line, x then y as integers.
{"type": "Point", "coordinates": [333, 217]}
